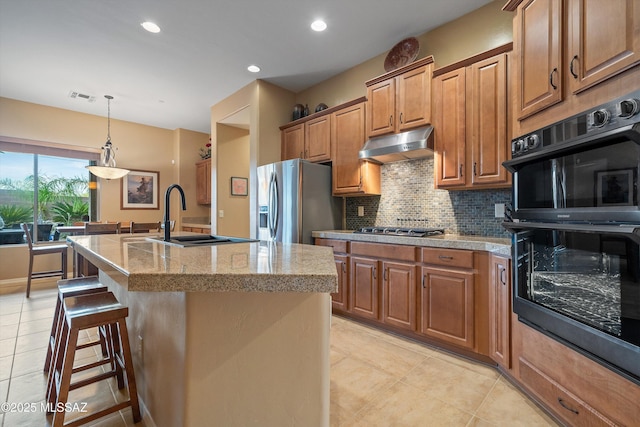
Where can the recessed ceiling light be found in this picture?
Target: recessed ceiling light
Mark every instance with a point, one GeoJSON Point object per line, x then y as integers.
{"type": "Point", "coordinates": [151, 27]}
{"type": "Point", "coordinates": [253, 68]}
{"type": "Point", "coordinates": [318, 25]}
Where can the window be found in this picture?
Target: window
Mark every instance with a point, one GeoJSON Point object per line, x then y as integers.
{"type": "Point", "coordinates": [44, 185]}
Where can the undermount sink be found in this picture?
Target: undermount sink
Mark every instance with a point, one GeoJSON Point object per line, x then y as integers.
{"type": "Point", "coordinates": [200, 240]}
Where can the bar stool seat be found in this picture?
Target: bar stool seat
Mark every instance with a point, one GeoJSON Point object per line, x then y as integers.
{"type": "Point", "coordinates": [80, 313]}
{"type": "Point", "coordinates": [71, 288]}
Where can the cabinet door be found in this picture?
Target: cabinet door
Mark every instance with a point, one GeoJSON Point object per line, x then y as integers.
{"type": "Point", "coordinates": [447, 306]}
{"type": "Point", "coordinates": [413, 103]}
{"type": "Point", "coordinates": [604, 39]}
{"type": "Point", "coordinates": [350, 174]}
{"type": "Point", "coordinates": [399, 295]}
{"type": "Point", "coordinates": [487, 120]}
{"type": "Point", "coordinates": [339, 299]}
{"type": "Point", "coordinates": [318, 139]}
{"type": "Point", "coordinates": [500, 311]}
{"type": "Point", "coordinates": [293, 142]}
{"type": "Point", "coordinates": [449, 122]}
{"type": "Point", "coordinates": [537, 41]}
{"type": "Point", "coordinates": [203, 182]}
{"type": "Point", "coordinates": [363, 287]}
{"type": "Point", "coordinates": [381, 97]}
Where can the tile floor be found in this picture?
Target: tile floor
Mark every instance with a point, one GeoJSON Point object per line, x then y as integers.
{"type": "Point", "coordinates": [377, 379]}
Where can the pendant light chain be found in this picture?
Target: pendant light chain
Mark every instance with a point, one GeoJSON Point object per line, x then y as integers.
{"type": "Point", "coordinates": [109, 98]}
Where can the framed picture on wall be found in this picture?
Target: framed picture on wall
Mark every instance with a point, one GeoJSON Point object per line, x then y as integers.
{"type": "Point", "coordinates": [139, 190]}
{"type": "Point", "coordinates": [239, 186]}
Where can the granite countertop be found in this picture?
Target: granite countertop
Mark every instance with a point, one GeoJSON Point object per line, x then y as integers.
{"type": "Point", "coordinates": [453, 241]}
{"type": "Point", "coordinates": [140, 264]}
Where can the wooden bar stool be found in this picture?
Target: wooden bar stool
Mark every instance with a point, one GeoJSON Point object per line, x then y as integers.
{"type": "Point", "coordinates": [81, 313]}
{"type": "Point", "coordinates": [72, 288]}
{"type": "Point", "coordinates": [35, 250]}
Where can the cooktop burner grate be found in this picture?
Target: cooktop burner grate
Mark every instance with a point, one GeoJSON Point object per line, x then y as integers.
{"type": "Point", "coordinates": [401, 231]}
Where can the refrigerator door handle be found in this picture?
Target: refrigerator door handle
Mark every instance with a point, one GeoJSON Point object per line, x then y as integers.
{"type": "Point", "coordinates": [273, 205]}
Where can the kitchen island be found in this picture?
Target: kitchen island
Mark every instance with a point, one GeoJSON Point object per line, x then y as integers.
{"type": "Point", "coordinates": [233, 334]}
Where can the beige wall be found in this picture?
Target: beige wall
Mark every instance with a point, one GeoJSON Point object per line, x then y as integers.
{"type": "Point", "coordinates": [233, 156]}
{"type": "Point", "coordinates": [172, 153]}
{"type": "Point", "coordinates": [269, 107]}
{"type": "Point", "coordinates": [476, 32]}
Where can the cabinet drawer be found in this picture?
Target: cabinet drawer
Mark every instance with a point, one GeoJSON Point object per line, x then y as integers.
{"type": "Point", "coordinates": [571, 409]}
{"type": "Point", "coordinates": [337, 245]}
{"type": "Point", "coordinates": [382, 250]}
{"type": "Point", "coordinates": [448, 257]}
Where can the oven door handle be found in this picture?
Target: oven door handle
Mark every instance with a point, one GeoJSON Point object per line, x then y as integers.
{"type": "Point", "coordinates": [630, 231]}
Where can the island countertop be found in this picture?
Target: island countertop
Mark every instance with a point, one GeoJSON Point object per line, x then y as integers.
{"type": "Point", "coordinates": [149, 266]}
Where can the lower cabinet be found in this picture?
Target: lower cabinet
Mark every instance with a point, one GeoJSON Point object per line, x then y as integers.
{"type": "Point", "coordinates": [399, 294]}
{"type": "Point", "coordinates": [500, 311]}
{"type": "Point", "coordinates": [339, 299]}
{"type": "Point", "coordinates": [578, 390]}
{"type": "Point", "coordinates": [363, 288]}
{"type": "Point", "coordinates": [447, 305]}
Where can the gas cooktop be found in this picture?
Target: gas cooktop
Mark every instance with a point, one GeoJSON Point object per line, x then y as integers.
{"type": "Point", "coordinates": [401, 231]}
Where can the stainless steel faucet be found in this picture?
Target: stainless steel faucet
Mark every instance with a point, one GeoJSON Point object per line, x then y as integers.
{"type": "Point", "coordinates": [167, 222]}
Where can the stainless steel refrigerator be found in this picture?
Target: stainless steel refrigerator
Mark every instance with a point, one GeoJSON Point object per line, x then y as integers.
{"type": "Point", "coordinates": [294, 199]}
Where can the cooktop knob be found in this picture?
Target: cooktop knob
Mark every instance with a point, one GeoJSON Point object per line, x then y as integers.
{"type": "Point", "coordinates": [627, 108]}
{"type": "Point", "coordinates": [517, 146]}
{"type": "Point", "coordinates": [598, 118]}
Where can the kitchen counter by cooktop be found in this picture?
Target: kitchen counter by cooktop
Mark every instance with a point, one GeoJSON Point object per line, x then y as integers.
{"type": "Point", "coordinates": [247, 267]}
{"type": "Point", "coordinates": [495, 245]}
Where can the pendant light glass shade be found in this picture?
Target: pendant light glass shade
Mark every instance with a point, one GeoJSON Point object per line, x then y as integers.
{"type": "Point", "coordinates": [107, 167]}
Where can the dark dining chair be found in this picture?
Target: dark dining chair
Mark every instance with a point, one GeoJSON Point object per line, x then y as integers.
{"type": "Point", "coordinates": [44, 249]}
{"type": "Point", "coordinates": [91, 228]}
{"type": "Point", "coordinates": [144, 227]}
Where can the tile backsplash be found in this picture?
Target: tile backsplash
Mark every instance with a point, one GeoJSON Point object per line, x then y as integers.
{"type": "Point", "coordinates": [409, 199]}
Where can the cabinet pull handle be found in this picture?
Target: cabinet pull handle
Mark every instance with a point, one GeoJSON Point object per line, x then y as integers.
{"type": "Point", "coordinates": [344, 267]}
{"type": "Point", "coordinates": [400, 118]}
{"type": "Point", "coordinates": [445, 257]}
{"type": "Point", "coordinates": [502, 276]}
{"type": "Point", "coordinates": [460, 170]}
{"type": "Point", "coordinates": [424, 278]}
{"type": "Point", "coordinates": [553, 85]}
{"type": "Point", "coordinates": [573, 73]}
{"type": "Point", "coordinates": [374, 274]}
{"type": "Point", "coordinates": [564, 405]}
{"type": "Point", "coordinates": [301, 155]}
{"type": "Point", "coordinates": [474, 169]}
{"type": "Point", "coordinates": [391, 120]}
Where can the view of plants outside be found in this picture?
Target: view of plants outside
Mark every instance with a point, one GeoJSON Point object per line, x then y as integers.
{"type": "Point", "coordinates": [50, 191]}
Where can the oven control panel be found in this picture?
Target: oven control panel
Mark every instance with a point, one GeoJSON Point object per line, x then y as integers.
{"type": "Point", "coordinates": [620, 112]}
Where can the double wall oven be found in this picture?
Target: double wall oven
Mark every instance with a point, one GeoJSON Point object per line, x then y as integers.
{"type": "Point", "coordinates": [575, 221]}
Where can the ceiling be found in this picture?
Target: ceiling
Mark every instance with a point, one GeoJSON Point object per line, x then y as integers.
{"type": "Point", "coordinates": [49, 49]}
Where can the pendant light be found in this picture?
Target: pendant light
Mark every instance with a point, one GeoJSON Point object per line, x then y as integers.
{"type": "Point", "coordinates": [107, 168]}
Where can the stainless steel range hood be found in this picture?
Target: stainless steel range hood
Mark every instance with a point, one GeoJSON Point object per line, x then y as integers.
{"type": "Point", "coordinates": [413, 144]}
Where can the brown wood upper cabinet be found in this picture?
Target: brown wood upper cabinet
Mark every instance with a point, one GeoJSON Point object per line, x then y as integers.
{"type": "Point", "coordinates": [310, 140]}
{"type": "Point", "coordinates": [203, 182]}
{"type": "Point", "coordinates": [602, 39]}
{"type": "Point", "coordinates": [401, 99]}
{"type": "Point", "coordinates": [470, 120]}
{"type": "Point", "coordinates": [351, 175]}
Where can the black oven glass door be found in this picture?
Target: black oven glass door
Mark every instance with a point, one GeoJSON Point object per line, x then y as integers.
{"type": "Point", "coordinates": [583, 286]}
{"type": "Point", "coordinates": [580, 185]}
